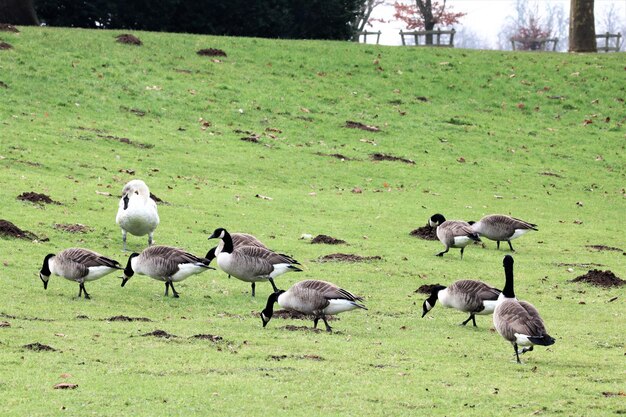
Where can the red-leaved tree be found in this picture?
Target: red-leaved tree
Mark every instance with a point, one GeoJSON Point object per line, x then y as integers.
{"type": "Point", "coordinates": [425, 14]}
{"type": "Point", "coordinates": [529, 37]}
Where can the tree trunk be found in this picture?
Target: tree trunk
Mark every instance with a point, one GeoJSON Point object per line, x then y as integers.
{"type": "Point", "coordinates": [426, 9]}
{"type": "Point", "coordinates": [582, 29]}
{"type": "Point", "coordinates": [18, 12]}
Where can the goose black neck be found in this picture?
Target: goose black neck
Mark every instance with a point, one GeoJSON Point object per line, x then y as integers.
{"type": "Point", "coordinates": [269, 307]}
{"type": "Point", "coordinates": [508, 290]}
{"type": "Point", "coordinates": [128, 271]}
{"type": "Point", "coordinates": [45, 269]}
{"type": "Point", "coordinates": [228, 243]}
{"type": "Point", "coordinates": [434, 294]}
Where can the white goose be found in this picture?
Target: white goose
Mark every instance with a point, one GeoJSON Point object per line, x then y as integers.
{"type": "Point", "coordinates": [469, 296]}
{"type": "Point", "coordinates": [250, 263]}
{"type": "Point", "coordinates": [518, 321]}
{"type": "Point", "coordinates": [137, 213]}
{"type": "Point", "coordinates": [77, 264]}
{"type": "Point", "coordinates": [312, 297]}
{"type": "Point", "coordinates": [165, 263]}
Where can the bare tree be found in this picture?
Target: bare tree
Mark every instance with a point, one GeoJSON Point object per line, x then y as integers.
{"type": "Point", "coordinates": [468, 39]}
{"type": "Point", "coordinates": [364, 17]}
{"type": "Point", "coordinates": [582, 27]}
{"type": "Point", "coordinates": [528, 23]}
{"type": "Point", "coordinates": [609, 20]}
{"type": "Point", "coordinates": [18, 12]}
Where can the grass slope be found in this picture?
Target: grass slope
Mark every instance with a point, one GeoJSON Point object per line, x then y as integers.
{"type": "Point", "coordinates": [539, 136]}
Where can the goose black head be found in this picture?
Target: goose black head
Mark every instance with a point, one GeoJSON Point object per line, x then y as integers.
{"type": "Point", "coordinates": [44, 274]}
{"type": "Point", "coordinates": [268, 312]}
{"type": "Point", "coordinates": [430, 302]}
{"type": "Point", "coordinates": [128, 271]}
{"type": "Point", "coordinates": [436, 220]}
{"type": "Point", "coordinates": [218, 233]}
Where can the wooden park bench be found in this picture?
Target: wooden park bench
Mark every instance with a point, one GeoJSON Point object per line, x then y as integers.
{"type": "Point", "coordinates": [612, 42]}
{"type": "Point", "coordinates": [364, 34]}
{"type": "Point", "coordinates": [534, 44]}
{"type": "Point", "coordinates": [441, 38]}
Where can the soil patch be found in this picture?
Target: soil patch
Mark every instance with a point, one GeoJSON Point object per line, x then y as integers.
{"type": "Point", "coordinates": [426, 289]}
{"type": "Point", "coordinates": [10, 230]}
{"type": "Point", "coordinates": [292, 328]}
{"type": "Point", "coordinates": [358, 125]}
{"type": "Point", "coordinates": [5, 324]}
{"type": "Point", "coordinates": [425, 232]}
{"type": "Point", "coordinates": [580, 265]}
{"type": "Point", "coordinates": [211, 337]}
{"type": "Point", "coordinates": [34, 197]}
{"type": "Point", "coordinates": [126, 318]}
{"type": "Point", "coordinates": [158, 200]}
{"type": "Point", "coordinates": [599, 278]}
{"type": "Point", "coordinates": [72, 228]}
{"type": "Point", "coordinates": [65, 385]}
{"type": "Point", "coordinates": [3, 84]}
{"type": "Point", "coordinates": [288, 314]}
{"type": "Point", "coordinates": [328, 240]}
{"type": "Point", "coordinates": [211, 52]}
{"type": "Point", "coordinates": [5, 27]}
{"type": "Point", "coordinates": [385, 157]}
{"type": "Point", "coordinates": [128, 39]}
{"type": "Point", "coordinates": [127, 141]}
{"type": "Point", "coordinates": [38, 347]}
{"type": "Point", "coordinates": [602, 247]}
{"type": "Point", "coordinates": [334, 155]}
{"type": "Point", "coordinates": [550, 174]}
{"type": "Point", "coordinates": [348, 257]}
{"type": "Point", "coordinates": [4, 45]}
{"type": "Point", "coordinates": [160, 333]}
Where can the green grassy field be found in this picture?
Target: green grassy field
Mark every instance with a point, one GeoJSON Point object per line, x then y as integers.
{"type": "Point", "coordinates": [537, 136]}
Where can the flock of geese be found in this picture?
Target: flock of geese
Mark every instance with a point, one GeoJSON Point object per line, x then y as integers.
{"type": "Point", "coordinates": [244, 257]}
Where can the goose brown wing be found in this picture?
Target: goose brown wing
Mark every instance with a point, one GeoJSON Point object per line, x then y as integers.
{"type": "Point", "coordinates": [522, 224]}
{"type": "Point", "coordinates": [477, 291]}
{"type": "Point", "coordinates": [522, 318]}
{"type": "Point", "coordinates": [265, 255]}
{"type": "Point", "coordinates": [86, 259]}
{"type": "Point", "coordinates": [245, 239]}
{"type": "Point", "coordinates": [328, 290]}
{"type": "Point", "coordinates": [175, 255]}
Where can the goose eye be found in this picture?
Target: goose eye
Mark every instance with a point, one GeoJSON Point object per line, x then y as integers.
{"type": "Point", "coordinates": [137, 192]}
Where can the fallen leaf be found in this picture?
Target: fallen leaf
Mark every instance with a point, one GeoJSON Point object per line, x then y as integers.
{"type": "Point", "coordinates": [103, 193]}
{"type": "Point", "coordinates": [263, 197]}
{"type": "Point", "coordinates": [65, 385]}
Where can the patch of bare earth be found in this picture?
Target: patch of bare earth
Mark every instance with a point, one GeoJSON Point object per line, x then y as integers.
{"type": "Point", "coordinates": [213, 338]}
{"type": "Point", "coordinates": [37, 198]}
{"type": "Point", "coordinates": [384, 157]}
{"type": "Point", "coordinates": [327, 240]}
{"type": "Point", "coordinates": [599, 278]}
{"type": "Point", "coordinates": [426, 289]}
{"type": "Point", "coordinates": [5, 27]}
{"type": "Point", "coordinates": [126, 318]}
{"type": "Point", "coordinates": [425, 232]}
{"type": "Point", "coordinates": [128, 39]}
{"type": "Point", "coordinates": [158, 200]}
{"type": "Point", "coordinates": [292, 328]}
{"type": "Point", "coordinates": [5, 46]}
{"type": "Point", "coordinates": [38, 347]}
{"type": "Point", "coordinates": [5, 324]}
{"type": "Point", "coordinates": [8, 229]}
{"type": "Point", "coordinates": [211, 52]}
{"type": "Point", "coordinates": [65, 385]}
{"type": "Point", "coordinates": [295, 315]}
{"type": "Point", "coordinates": [348, 257]}
{"type": "Point", "coordinates": [334, 155]}
{"type": "Point", "coordinates": [603, 248]}
{"type": "Point", "coordinates": [358, 125]}
{"type": "Point", "coordinates": [160, 333]}
{"type": "Point", "coordinates": [279, 358]}
{"type": "Point", "coordinates": [72, 228]}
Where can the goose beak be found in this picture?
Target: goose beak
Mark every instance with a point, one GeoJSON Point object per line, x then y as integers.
{"type": "Point", "coordinates": [125, 280]}
{"type": "Point", "coordinates": [264, 319]}
{"type": "Point", "coordinates": [125, 199]}
{"type": "Point", "coordinates": [45, 283]}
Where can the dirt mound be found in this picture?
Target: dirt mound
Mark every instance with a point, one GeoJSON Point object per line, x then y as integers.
{"type": "Point", "coordinates": [383, 157]}
{"type": "Point", "coordinates": [4, 45]}
{"type": "Point", "coordinates": [72, 228]}
{"type": "Point", "coordinates": [37, 198]}
{"type": "Point", "coordinates": [301, 328]}
{"type": "Point", "coordinates": [288, 314]}
{"type": "Point", "coordinates": [358, 125]}
{"type": "Point", "coordinates": [160, 333]}
{"type": "Point", "coordinates": [128, 39]}
{"type": "Point", "coordinates": [5, 27]}
{"type": "Point", "coordinates": [425, 232]}
{"type": "Point", "coordinates": [347, 257]}
{"type": "Point", "coordinates": [425, 289]}
{"type": "Point", "coordinates": [126, 318]}
{"type": "Point", "coordinates": [8, 229]}
{"type": "Point", "coordinates": [38, 347]}
{"type": "Point", "coordinates": [328, 240]}
{"type": "Point", "coordinates": [602, 247]}
{"type": "Point", "coordinates": [333, 155]}
{"type": "Point", "coordinates": [5, 324]}
{"type": "Point", "coordinates": [211, 52]}
{"type": "Point", "coordinates": [211, 337]}
{"type": "Point", "coordinates": [604, 279]}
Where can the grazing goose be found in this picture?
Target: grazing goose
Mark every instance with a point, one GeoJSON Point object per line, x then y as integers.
{"type": "Point", "coordinates": [518, 321]}
{"type": "Point", "coordinates": [474, 297]}
{"type": "Point", "coordinates": [250, 263]}
{"type": "Point", "coordinates": [499, 227]}
{"type": "Point", "coordinates": [239, 239]}
{"type": "Point", "coordinates": [137, 213]}
{"type": "Point", "coordinates": [312, 297]}
{"type": "Point", "coordinates": [78, 265]}
{"type": "Point", "coordinates": [453, 233]}
{"type": "Point", "coordinates": [165, 263]}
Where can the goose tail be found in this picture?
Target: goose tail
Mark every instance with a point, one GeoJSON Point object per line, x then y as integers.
{"type": "Point", "coordinates": [545, 340]}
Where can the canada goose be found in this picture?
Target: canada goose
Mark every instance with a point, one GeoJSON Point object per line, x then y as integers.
{"type": "Point", "coordinates": [250, 263]}
{"type": "Point", "coordinates": [518, 321]}
{"type": "Point", "coordinates": [165, 263]}
{"type": "Point", "coordinates": [469, 296]}
{"type": "Point", "coordinates": [312, 297]}
{"type": "Point", "coordinates": [499, 227]}
{"type": "Point", "coordinates": [453, 233]}
{"type": "Point", "coordinates": [137, 213]}
{"type": "Point", "coordinates": [78, 265]}
{"type": "Point", "coordinates": [239, 239]}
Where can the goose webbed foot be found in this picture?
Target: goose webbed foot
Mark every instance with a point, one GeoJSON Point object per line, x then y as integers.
{"type": "Point", "coordinates": [510, 246]}
{"type": "Point", "coordinates": [328, 328]}
{"type": "Point", "coordinates": [81, 290]}
{"type": "Point", "coordinates": [472, 318]}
